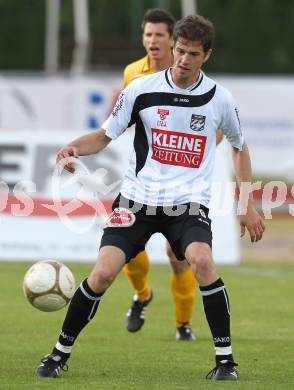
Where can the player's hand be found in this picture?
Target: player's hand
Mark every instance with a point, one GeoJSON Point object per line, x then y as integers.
{"type": "Point", "coordinates": [253, 222]}
{"type": "Point", "coordinates": [64, 158]}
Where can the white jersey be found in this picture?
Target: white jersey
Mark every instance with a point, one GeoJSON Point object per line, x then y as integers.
{"type": "Point", "coordinates": [174, 146]}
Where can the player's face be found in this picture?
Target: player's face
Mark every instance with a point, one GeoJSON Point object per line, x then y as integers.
{"type": "Point", "coordinates": [189, 57]}
{"type": "Point", "coordinates": [157, 40]}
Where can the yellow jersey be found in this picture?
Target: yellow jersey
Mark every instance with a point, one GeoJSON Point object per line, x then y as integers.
{"type": "Point", "coordinates": [137, 69]}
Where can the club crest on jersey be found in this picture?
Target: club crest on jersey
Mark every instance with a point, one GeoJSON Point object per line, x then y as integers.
{"type": "Point", "coordinates": [121, 217]}
{"type": "Point", "coordinates": [197, 122]}
{"type": "Point", "coordinates": [162, 117]}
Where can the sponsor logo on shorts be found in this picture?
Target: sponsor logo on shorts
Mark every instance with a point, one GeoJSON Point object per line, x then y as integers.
{"type": "Point", "coordinates": [202, 213]}
{"type": "Point", "coordinates": [202, 220]}
{"type": "Point", "coordinates": [197, 122]}
{"type": "Point", "coordinates": [174, 148]}
{"type": "Point", "coordinates": [121, 217]}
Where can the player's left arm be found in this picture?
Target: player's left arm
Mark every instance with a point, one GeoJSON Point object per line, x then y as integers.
{"type": "Point", "coordinates": [230, 125]}
{"type": "Point", "coordinates": [250, 219]}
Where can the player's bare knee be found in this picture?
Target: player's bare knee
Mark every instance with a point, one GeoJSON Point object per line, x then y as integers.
{"type": "Point", "coordinates": [101, 279]}
{"type": "Point", "coordinates": [204, 268]}
{"type": "Point", "coordinates": [201, 264]}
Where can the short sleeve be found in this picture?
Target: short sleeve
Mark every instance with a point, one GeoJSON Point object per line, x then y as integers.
{"type": "Point", "coordinates": [120, 117]}
{"type": "Point", "coordinates": [230, 123]}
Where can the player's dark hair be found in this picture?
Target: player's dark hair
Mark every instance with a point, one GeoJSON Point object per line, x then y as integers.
{"type": "Point", "coordinates": [195, 28]}
{"type": "Point", "coordinates": [156, 15]}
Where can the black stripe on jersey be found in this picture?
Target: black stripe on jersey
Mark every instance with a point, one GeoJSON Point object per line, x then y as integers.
{"type": "Point", "coordinates": [140, 145]}
{"type": "Point", "coordinates": [152, 99]}
{"type": "Point", "coordinates": [167, 79]}
{"type": "Point", "coordinates": [199, 82]}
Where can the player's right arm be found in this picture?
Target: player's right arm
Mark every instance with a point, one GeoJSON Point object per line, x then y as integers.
{"type": "Point", "coordinates": [112, 128]}
{"type": "Point", "coordinates": [87, 144]}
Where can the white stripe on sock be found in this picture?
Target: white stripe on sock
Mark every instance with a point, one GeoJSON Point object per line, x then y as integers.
{"type": "Point", "coordinates": [223, 350]}
{"type": "Point", "coordinates": [88, 295]}
{"type": "Point", "coordinates": [91, 312]}
{"type": "Point", "coordinates": [213, 291]}
{"type": "Point", "coordinates": [63, 348]}
{"type": "Point", "coordinates": [228, 308]}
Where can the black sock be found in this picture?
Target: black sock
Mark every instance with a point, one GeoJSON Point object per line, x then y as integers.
{"type": "Point", "coordinates": [81, 310]}
{"type": "Point", "coordinates": [217, 310]}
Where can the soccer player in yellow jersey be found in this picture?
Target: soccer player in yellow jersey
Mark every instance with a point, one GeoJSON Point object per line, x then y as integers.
{"type": "Point", "coordinates": [157, 40]}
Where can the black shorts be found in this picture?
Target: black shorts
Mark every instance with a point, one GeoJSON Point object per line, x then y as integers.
{"type": "Point", "coordinates": [130, 226]}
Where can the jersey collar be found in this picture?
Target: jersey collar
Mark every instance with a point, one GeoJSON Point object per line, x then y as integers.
{"type": "Point", "coordinates": [145, 66]}
{"type": "Point", "coordinates": [191, 88]}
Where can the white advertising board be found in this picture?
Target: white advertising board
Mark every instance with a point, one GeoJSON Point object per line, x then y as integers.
{"type": "Point", "coordinates": [56, 102]}
{"type": "Point", "coordinates": [266, 110]}
{"type": "Point", "coordinates": [267, 115]}
{"type": "Point", "coordinates": [51, 217]}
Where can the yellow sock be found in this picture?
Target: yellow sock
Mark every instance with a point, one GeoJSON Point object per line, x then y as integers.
{"type": "Point", "coordinates": [183, 289]}
{"type": "Point", "coordinates": [137, 271]}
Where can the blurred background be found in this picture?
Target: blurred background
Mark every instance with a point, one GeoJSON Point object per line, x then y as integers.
{"type": "Point", "coordinates": [61, 70]}
{"type": "Point", "coordinates": [255, 39]}
{"type": "Point", "coordinates": [61, 65]}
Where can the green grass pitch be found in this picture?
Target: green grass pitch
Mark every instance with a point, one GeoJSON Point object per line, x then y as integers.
{"type": "Point", "coordinates": [106, 356]}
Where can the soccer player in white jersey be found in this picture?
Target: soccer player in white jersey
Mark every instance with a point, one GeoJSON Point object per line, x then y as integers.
{"type": "Point", "coordinates": [167, 186]}
{"type": "Point", "coordinates": [157, 26]}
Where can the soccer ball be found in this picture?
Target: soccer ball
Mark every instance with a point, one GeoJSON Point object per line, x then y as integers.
{"type": "Point", "coordinates": [49, 285]}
